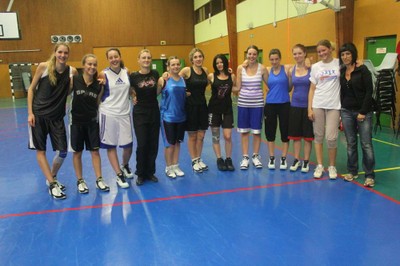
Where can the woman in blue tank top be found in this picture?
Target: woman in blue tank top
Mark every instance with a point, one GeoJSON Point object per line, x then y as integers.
{"type": "Point", "coordinates": [277, 107]}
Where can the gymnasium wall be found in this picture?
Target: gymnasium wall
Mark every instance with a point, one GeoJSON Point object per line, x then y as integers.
{"type": "Point", "coordinates": [105, 23]}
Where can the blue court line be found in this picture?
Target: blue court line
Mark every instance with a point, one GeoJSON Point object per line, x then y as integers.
{"type": "Point", "coordinates": [204, 194]}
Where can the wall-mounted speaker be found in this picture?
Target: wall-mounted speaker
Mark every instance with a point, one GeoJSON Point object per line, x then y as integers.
{"type": "Point", "coordinates": [71, 38]}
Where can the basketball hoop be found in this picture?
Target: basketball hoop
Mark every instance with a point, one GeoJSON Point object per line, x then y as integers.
{"type": "Point", "coordinates": [302, 5]}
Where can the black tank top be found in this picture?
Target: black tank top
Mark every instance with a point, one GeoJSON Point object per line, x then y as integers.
{"type": "Point", "coordinates": [221, 101]}
{"type": "Point", "coordinates": [49, 101]}
{"type": "Point", "coordinates": [196, 85]}
{"type": "Point", "coordinates": [84, 101]}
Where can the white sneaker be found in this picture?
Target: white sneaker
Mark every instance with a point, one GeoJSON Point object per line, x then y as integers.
{"type": "Point", "coordinates": [271, 162]}
{"type": "Point", "coordinates": [196, 166]}
{"type": "Point", "coordinates": [58, 183]}
{"type": "Point", "coordinates": [55, 191]}
{"type": "Point", "coordinates": [82, 187]}
{"type": "Point", "coordinates": [244, 164]}
{"type": "Point", "coordinates": [121, 181]}
{"type": "Point", "coordinates": [296, 164]}
{"type": "Point", "coordinates": [256, 158]}
{"type": "Point", "coordinates": [169, 171]}
{"type": "Point", "coordinates": [319, 171]}
{"type": "Point", "coordinates": [100, 184]}
{"type": "Point", "coordinates": [203, 166]}
{"type": "Point", "coordinates": [283, 165]}
{"type": "Point", "coordinates": [127, 171]}
{"type": "Point", "coordinates": [332, 172]}
{"type": "Point", "coordinates": [177, 170]}
{"type": "Point", "coordinates": [305, 167]}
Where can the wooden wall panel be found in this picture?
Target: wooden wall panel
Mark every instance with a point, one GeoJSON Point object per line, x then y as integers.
{"type": "Point", "coordinates": [102, 23]}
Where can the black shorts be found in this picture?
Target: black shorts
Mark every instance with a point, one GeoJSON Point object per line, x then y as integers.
{"type": "Point", "coordinates": [173, 132]}
{"type": "Point", "coordinates": [85, 135]}
{"type": "Point", "coordinates": [43, 127]}
{"type": "Point", "coordinates": [196, 117]}
{"type": "Point", "coordinates": [217, 120]}
{"type": "Point", "coordinates": [300, 127]}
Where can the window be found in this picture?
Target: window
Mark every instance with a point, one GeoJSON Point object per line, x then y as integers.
{"type": "Point", "coordinates": [211, 8]}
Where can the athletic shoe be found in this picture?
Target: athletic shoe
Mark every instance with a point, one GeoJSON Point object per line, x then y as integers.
{"type": "Point", "coordinates": [271, 163]}
{"type": "Point", "coordinates": [126, 170]}
{"type": "Point", "coordinates": [319, 171]}
{"type": "Point", "coordinates": [169, 171]}
{"type": "Point", "coordinates": [349, 177]}
{"type": "Point", "coordinates": [152, 178]}
{"type": "Point", "coordinates": [369, 182]}
{"type": "Point", "coordinates": [56, 192]}
{"type": "Point", "coordinates": [256, 159]}
{"type": "Point", "coordinates": [196, 166]}
{"type": "Point", "coordinates": [305, 167]}
{"type": "Point", "coordinates": [177, 170]}
{"type": "Point", "coordinates": [283, 165]}
{"type": "Point", "coordinates": [140, 180]}
{"type": "Point", "coordinates": [332, 172]}
{"type": "Point", "coordinates": [82, 187]}
{"type": "Point", "coordinates": [244, 164]}
{"type": "Point", "coordinates": [61, 186]}
{"type": "Point", "coordinates": [100, 184]}
{"type": "Point", "coordinates": [221, 164]}
{"type": "Point", "coordinates": [229, 164]}
{"type": "Point", "coordinates": [203, 166]}
{"type": "Point", "coordinates": [121, 181]}
{"type": "Point", "coordinates": [295, 165]}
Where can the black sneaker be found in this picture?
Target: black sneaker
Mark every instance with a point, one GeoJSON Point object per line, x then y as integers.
{"type": "Point", "coordinates": [153, 178]}
{"type": "Point", "coordinates": [56, 192]}
{"type": "Point", "coordinates": [229, 164]}
{"type": "Point", "coordinates": [139, 180]}
{"type": "Point", "coordinates": [60, 185]}
{"type": "Point", "coordinates": [221, 164]}
{"type": "Point", "coordinates": [126, 170]}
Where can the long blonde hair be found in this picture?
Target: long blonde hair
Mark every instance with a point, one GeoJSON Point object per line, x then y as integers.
{"type": "Point", "coordinates": [51, 64]}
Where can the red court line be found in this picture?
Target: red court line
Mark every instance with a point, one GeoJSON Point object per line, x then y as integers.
{"type": "Point", "coordinates": [204, 194]}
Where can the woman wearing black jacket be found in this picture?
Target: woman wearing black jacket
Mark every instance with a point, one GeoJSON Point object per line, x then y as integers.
{"type": "Point", "coordinates": [356, 113]}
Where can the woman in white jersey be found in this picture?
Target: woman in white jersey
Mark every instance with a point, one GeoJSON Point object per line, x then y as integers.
{"type": "Point", "coordinates": [115, 120]}
{"type": "Point", "coordinates": [251, 105]}
{"type": "Point", "coordinates": [324, 106]}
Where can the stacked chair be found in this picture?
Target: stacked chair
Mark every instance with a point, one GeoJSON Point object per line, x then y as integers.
{"type": "Point", "coordinates": [385, 88]}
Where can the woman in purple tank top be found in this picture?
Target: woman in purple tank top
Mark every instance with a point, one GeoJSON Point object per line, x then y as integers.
{"type": "Point", "coordinates": [300, 127]}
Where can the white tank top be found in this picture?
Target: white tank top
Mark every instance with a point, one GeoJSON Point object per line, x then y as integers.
{"type": "Point", "coordinates": [115, 100]}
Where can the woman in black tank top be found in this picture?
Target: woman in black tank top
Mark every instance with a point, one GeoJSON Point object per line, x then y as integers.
{"type": "Point", "coordinates": [196, 107]}
{"type": "Point", "coordinates": [220, 110]}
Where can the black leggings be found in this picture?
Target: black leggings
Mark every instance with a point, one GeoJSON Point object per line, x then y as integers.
{"type": "Point", "coordinates": [273, 112]}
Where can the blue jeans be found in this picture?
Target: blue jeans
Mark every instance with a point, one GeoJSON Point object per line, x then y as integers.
{"type": "Point", "coordinates": [364, 129]}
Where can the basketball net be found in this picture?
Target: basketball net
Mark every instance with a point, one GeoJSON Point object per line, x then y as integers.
{"type": "Point", "coordinates": [302, 5]}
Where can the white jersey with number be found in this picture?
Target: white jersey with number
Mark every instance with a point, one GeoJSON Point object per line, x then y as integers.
{"type": "Point", "coordinates": [115, 100]}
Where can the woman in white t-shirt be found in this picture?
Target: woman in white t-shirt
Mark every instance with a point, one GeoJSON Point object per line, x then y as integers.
{"type": "Point", "coordinates": [324, 106]}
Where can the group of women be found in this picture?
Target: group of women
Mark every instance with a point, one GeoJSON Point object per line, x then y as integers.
{"type": "Point", "coordinates": [100, 115]}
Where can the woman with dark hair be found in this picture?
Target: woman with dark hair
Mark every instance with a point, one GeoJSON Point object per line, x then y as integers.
{"type": "Point", "coordinates": [115, 120]}
{"type": "Point", "coordinates": [356, 99]}
{"type": "Point", "coordinates": [220, 110]}
{"type": "Point", "coordinates": [47, 96]}
{"type": "Point", "coordinates": [251, 105]}
{"type": "Point", "coordinates": [277, 106]}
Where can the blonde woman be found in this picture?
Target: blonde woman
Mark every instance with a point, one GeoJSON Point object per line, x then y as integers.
{"type": "Point", "coordinates": [47, 97]}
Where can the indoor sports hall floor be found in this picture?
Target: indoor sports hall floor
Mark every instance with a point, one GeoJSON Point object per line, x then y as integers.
{"type": "Point", "coordinates": [254, 217]}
